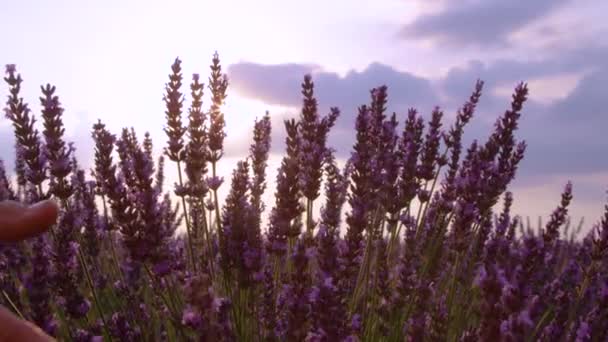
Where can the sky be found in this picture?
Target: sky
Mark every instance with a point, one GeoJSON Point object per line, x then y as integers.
{"type": "Point", "coordinates": [110, 61]}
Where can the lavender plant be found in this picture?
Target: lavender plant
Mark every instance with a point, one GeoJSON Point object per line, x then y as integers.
{"type": "Point", "coordinates": [410, 243]}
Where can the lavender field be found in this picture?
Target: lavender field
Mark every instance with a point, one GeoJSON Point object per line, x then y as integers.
{"type": "Point", "coordinates": [415, 238]}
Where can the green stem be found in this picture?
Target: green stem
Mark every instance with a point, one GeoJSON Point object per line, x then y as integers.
{"type": "Point", "coordinates": [111, 236]}
{"type": "Point", "coordinates": [361, 275]}
{"type": "Point", "coordinates": [207, 237]}
{"type": "Point", "coordinates": [216, 202]}
{"type": "Point", "coordinates": [12, 304]}
{"type": "Point", "coordinates": [170, 304]}
{"type": "Point", "coordinates": [187, 218]}
{"type": "Point", "coordinates": [95, 298]}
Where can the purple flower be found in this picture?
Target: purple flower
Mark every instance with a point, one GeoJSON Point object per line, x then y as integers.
{"type": "Point", "coordinates": [240, 243]}
{"type": "Point", "coordinates": [86, 336]}
{"type": "Point", "coordinates": [361, 176]}
{"type": "Point", "coordinates": [196, 149]}
{"type": "Point", "coordinates": [313, 132]}
{"type": "Point", "coordinates": [336, 187]}
{"type": "Point", "coordinates": [293, 302]}
{"type": "Point", "coordinates": [490, 280]}
{"type": "Point", "coordinates": [258, 152]}
{"type": "Point", "coordinates": [205, 313]}
{"type": "Point", "coordinates": [430, 150]}
{"type": "Point", "coordinates": [268, 304]}
{"type": "Point", "coordinates": [408, 150]}
{"type": "Point", "coordinates": [558, 217]}
{"type": "Point", "coordinates": [218, 83]}
{"type": "Point", "coordinates": [285, 215]}
{"type": "Point", "coordinates": [583, 332]}
{"type": "Point", "coordinates": [209, 205]}
{"type": "Point", "coordinates": [356, 324]}
{"type": "Point", "coordinates": [84, 200]}
{"type": "Point", "coordinates": [153, 232]}
{"type": "Point", "coordinates": [38, 286]}
{"type": "Point", "coordinates": [26, 134]}
{"type": "Point", "coordinates": [327, 297]}
{"type": "Point", "coordinates": [453, 139]}
{"type": "Point", "coordinates": [214, 182]}
{"type": "Point", "coordinates": [66, 259]}
{"type": "Point", "coordinates": [191, 318]}
{"type": "Point", "coordinates": [6, 190]}
{"type": "Point", "coordinates": [121, 329]}
{"type": "Point", "coordinates": [173, 99]}
{"type": "Point", "coordinates": [599, 240]}
{"type": "Point", "coordinates": [382, 288]}
{"type": "Point", "coordinates": [58, 154]}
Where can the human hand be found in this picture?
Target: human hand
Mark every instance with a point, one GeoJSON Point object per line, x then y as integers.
{"type": "Point", "coordinates": [18, 222]}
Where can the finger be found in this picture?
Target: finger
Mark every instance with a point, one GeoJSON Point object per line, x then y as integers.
{"type": "Point", "coordinates": [14, 329]}
{"type": "Point", "coordinates": [18, 221]}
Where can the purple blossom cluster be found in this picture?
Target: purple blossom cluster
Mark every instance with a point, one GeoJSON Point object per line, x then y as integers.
{"type": "Point", "coordinates": [415, 238]}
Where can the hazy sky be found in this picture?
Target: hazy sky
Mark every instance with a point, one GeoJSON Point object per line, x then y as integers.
{"type": "Point", "coordinates": [110, 60]}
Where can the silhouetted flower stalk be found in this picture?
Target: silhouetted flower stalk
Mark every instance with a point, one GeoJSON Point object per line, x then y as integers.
{"type": "Point", "coordinates": [241, 249]}
{"type": "Point", "coordinates": [503, 151]}
{"type": "Point", "coordinates": [218, 83]}
{"type": "Point", "coordinates": [26, 135]}
{"type": "Point", "coordinates": [453, 140]}
{"type": "Point", "coordinates": [104, 174]}
{"type": "Point", "coordinates": [84, 201]}
{"type": "Point", "coordinates": [175, 131]}
{"type": "Point", "coordinates": [408, 151]}
{"type": "Point", "coordinates": [147, 145]}
{"type": "Point", "coordinates": [383, 140]}
{"type": "Point", "coordinates": [20, 171]}
{"type": "Point", "coordinates": [327, 300]}
{"type": "Point", "coordinates": [313, 132]}
{"type": "Point", "coordinates": [558, 218]}
{"type": "Point", "coordinates": [196, 168]}
{"type": "Point", "coordinates": [389, 176]}
{"type": "Point", "coordinates": [360, 189]}
{"type": "Point", "coordinates": [384, 172]}
{"type": "Point", "coordinates": [58, 154]}
{"type": "Point", "coordinates": [66, 260]}
{"type": "Point", "coordinates": [430, 163]}
{"type": "Point", "coordinates": [285, 217]}
{"type": "Point", "coordinates": [258, 153]}
{"type": "Point", "coordinates": [6, 190]}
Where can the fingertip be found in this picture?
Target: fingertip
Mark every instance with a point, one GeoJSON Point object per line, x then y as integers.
{"type": "Point", "coordinates": [39, 217]}
{"type": "Point", "coordinates": [45, 212]}
{"type": "Point", "coordinates": [14, 329]}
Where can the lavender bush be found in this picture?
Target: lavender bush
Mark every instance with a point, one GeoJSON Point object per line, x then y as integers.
{"type": "Point", "coordinates": [429, 249]}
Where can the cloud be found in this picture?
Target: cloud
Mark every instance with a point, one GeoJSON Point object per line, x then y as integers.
{"type": "Point", "coordinates": [274, 84]}
{"type": "Point", "coordinates": [280, 85]}
{"type": "Point", "coordinates": [481, 22]}
{"type": "Point", "coordinates": [555, 61]}
{"type": "Point", "coordinates": [570, 136]}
